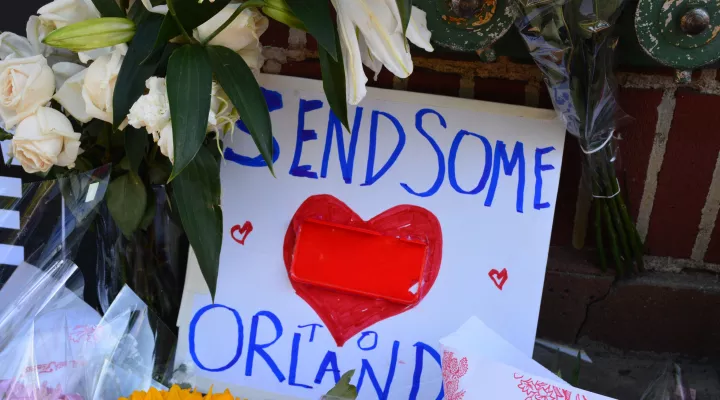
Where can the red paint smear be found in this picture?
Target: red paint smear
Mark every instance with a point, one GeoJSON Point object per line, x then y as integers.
{"type": "Point", "coordinates": [346, 314]}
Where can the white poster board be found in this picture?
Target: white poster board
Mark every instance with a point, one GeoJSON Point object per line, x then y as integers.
{"type": "Point", "coordinates": [487, 172]}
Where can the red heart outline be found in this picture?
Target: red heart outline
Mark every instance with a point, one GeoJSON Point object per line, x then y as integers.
{"type": "Point", "coordinates": [498, 277]}
{"type": "Point", "coordinates": [346, 314]}
{"type": "Point", "coordinates": [244, 230]}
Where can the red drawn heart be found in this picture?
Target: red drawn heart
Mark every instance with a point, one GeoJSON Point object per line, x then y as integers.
{"type": "Point", "coordinates": [346, 314]}
{"type": "Point", "coordinates": [243, 230]}
{"type": "Point", "coordinates": [498, 278]}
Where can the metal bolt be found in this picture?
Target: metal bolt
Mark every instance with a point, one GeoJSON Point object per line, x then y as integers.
{"type": "Point", "coordinates": [695, 21]}
{"type": "Point", "coordinates": [464, 8]}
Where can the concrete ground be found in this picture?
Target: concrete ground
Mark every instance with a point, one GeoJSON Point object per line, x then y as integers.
{"type": "Point", "coordinates": [627, 375]}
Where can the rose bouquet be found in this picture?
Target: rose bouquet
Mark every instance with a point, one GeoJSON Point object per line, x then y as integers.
{"type": "Point", "coordinates": [154, 86]}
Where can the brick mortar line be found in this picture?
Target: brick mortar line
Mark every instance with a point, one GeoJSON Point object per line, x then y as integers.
{"type": "Point", "coordinates": [708, 215]}
{"type": "Point", "coordinates": [665, 112]}
{"type": "Point", "coordinates": [503, 68]}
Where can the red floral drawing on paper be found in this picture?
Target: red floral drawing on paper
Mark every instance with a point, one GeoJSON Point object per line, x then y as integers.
{"type": "Point", "coordinates": [452, 370]}
{"type": "Point", "coordinates": [538, 390]}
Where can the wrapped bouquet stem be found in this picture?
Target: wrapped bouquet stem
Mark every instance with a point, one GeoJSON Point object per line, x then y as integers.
{"type": "Point", "coordinates": [572, 42]}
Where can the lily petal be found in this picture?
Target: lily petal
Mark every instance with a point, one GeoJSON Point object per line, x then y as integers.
{"type": "Point", "coordinates": [417, 31]}
{"type": "Point", "coordinates": [161, 9]}
{"type": "Point", "coordinates": [16, 46]}
{"type": "Point", "coordinates": [64, 70]}
{"type": "Point", "coordinates": [395, 11]}
{"type": "Point", "coordinates": [355, 78]}
{"type": "Point", "coordinates": [36, 32]}
{"type": "Point", "coordinates": [368, 59]}
{"type": "Point", "coordinates": [380, 29]}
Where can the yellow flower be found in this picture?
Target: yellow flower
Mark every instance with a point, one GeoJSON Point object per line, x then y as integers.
{"type": "Point", "coordinates": [175, 393]}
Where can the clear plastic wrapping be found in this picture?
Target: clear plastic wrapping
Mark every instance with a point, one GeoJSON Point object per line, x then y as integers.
{"type": "Point", "coordinates": [54, 216]}
{"type": "Point", "coordinates": [57, 347]}
{"type": "Point", "coordinates": [152, 261]}
{"type": "Point", "coordinates": [53, 345]}
{"type": "Point", "coordinates": [572, 42]}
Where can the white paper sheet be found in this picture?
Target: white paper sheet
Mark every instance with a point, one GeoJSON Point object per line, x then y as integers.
{"type": "Point", "coordinates": [494, 248]}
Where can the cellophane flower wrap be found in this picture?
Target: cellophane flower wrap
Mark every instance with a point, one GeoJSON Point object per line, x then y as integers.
{"type": "Point", "coordinates": [53, 345]}
{"type": "Point", "coordinates": [572, 42]}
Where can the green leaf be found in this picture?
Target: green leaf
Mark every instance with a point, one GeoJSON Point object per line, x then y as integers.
{"type": "Point", "coordinates": [126, 200]}
{"type": "Point", "coordinates": [192, 13]}
{"type": "Point", "coordinates": [109, 8]}
{"type": "Point", "coordinates": [138, 12]}
{"type": "Point", "coordinates": [196, 192]}
{"type": "Point", "coordinates": [131, 79]}
{"type": "Point", "coordinates": [315, 15]}
{"type": "Point", "coordinates": [5, 135]}
{"type": "Point", "coordinates": [284, 17]}
{"type": "Point", "coordinates": [136, 144]}
{"type": "Point", "coordinates": [343, 389]}
{"type": "Point", "coordinates": [239, 83]}
{"type": "Point", "coordinates": [189, 83]}
{"type": "Point", "coordinates": [168, 30]}
{"type": "Point", "coordinates": [405, 7]}
{"type": "Point", "coordinates": [150, 209]}
{"type": "Point", "coordinates": [333, 75]}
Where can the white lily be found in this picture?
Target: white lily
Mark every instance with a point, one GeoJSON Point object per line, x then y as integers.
{"type": "Point", "coordinates": [161, 9]}
{"type": "Point", "coordinates": [371, 34]}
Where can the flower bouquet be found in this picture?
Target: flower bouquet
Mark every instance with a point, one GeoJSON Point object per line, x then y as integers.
{"type": "Point", "coordinates": [152, 87]}
{"type": "Point", "coordinates": [572, 42]}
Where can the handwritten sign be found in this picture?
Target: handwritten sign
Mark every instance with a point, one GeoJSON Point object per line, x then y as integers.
{"type": "Point", "coordinates": [473, 182]}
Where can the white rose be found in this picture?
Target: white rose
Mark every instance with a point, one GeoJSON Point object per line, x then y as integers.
{"type": "Point", "coordinates": [99, 85]}
{"type": "Point", "coordinates": [61, 13]}
{"type": "Point", "coordinates": [152, 111]}
{"type": "Point", "coordinates": [44, 139]}
{"type": "Point", "coordinates": [166, 143]}
{"type": "Point", "coordinates": [242, 35]}
{"type": "Point", "coordinates": [26, 84]}
{"type": "Point", "coordinates": [69, 79]}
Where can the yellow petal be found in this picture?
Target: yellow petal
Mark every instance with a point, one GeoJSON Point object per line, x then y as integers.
{"type": "Point", "coordinates": [153, 394]}
{"type": "Point", "coordinates": [137, 396]}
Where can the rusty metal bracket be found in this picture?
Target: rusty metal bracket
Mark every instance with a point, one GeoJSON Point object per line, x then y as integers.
{"type": "Point", "coordinates": [467, 25]}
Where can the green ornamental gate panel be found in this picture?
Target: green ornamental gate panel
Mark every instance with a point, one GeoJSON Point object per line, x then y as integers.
{"type": "Point", "coordinates": [682, 34]}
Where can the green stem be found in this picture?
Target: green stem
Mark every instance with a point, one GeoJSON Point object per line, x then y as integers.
{"type": "Point", "coordinates": [243, 6]}
{"type": "Point", "coordinates": [171, 8]}
{"type": "Point", "coordinates": [610, 184]}
{"type": "Point", "coordinates": [630, 227]}
{"type": "Point", "coordinates": [613, 238]}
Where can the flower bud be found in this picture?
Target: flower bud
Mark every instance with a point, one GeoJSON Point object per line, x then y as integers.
{"type": "Point", "coordinates": [92, 34]}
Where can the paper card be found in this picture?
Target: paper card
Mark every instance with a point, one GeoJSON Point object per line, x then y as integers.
{"type": "Point", "coordinates": [478, 363]}
{"type": "Point", "coordinates": [475, 181]}
{"type": "Point", "coordinates": [476, 340]}
{"type": "Point", "coordinates": [488, 379]}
